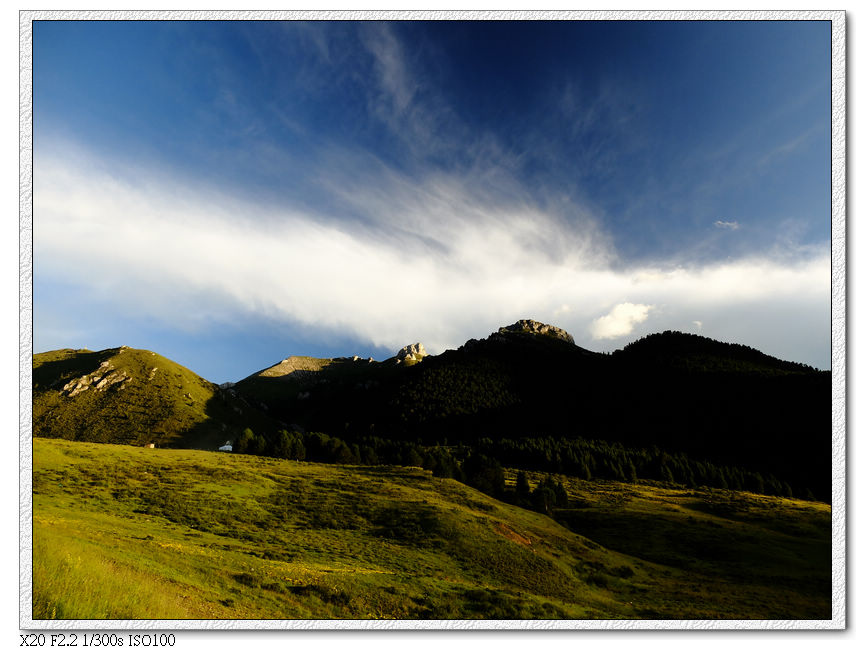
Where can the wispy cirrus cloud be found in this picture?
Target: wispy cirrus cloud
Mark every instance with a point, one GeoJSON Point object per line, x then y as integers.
{"type": "Point", "coordinates": [727, 225]}
{"type": "Point", "coordinates": [791, 145]}
{"type": "Point", "coordinates": [397, 87]}
{"type": "Point", "coordinates": [402, 100]}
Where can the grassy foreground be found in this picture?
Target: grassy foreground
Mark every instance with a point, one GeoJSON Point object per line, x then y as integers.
{"type": "Point", "coordinates": [121, 532]}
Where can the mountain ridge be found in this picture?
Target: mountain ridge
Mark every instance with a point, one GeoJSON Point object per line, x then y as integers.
{"type": "Point", "coordinates": [684, 393]}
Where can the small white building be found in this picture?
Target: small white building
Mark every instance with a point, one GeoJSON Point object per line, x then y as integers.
{"type": "Point", "coordinates": [226, 446]}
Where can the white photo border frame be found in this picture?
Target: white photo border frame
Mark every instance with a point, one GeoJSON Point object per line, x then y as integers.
{"type": "Point", "coordinates": [838, 325]}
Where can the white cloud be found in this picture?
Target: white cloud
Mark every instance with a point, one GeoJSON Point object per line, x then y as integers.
{"type": "Point", "coordinates": [729, 225]}
{"type": "Point", "coordinates": [431, 260]}
{"type": "Point", "coordinates": [792, 145]}
{"type": "Point", "coordinates": [439, 260]}
{"type": "Point", "coordinates": [400, 97]}
{"type": "Point", "coordinates": [620, 321]}
{"type": "Point", "coordinates": [396, 83]}
{"type": "Point", "coordinates": [699, 325]}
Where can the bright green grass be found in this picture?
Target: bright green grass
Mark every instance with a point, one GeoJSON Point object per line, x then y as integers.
{"type": "Point", "coordinates": [208, 535]}
{"type": "Point", "coordinates": [125, 532]}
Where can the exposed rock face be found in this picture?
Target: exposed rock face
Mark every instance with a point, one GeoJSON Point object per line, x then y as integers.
{"type": "Point", "coordinates": [534, 327]}
{"type": "Point", "coordinates": [412, 353]}
{"type": "Point", "coordinates": [100, 379]}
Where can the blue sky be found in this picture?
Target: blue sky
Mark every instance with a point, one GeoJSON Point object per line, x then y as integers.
{"type": "Point", "coordinates": [230, 193]}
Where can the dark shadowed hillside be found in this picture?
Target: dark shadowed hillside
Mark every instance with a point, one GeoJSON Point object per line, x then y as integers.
{"type": "Point", "coordinates": [698, 354]}
{"type": "Point", "coordinates": [683, 393]}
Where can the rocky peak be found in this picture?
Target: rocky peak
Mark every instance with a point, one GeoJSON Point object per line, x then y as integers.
{"type": "Point", "coordinates": [534, 327]}
{"type": "Point", "coordinates": [413, 353]}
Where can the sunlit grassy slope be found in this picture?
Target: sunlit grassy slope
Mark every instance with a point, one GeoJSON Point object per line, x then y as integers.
{"type": "Point", "coordinates": [124, 395]}
{"type": "Point", "coordinates": [126, 532]}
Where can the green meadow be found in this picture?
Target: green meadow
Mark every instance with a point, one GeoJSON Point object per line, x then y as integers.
{"type": "Point", "coordinates": [123, 532]}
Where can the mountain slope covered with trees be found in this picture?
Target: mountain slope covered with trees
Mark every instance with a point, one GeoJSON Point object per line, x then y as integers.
{"type": "Point", "coordinates": [671, 406]}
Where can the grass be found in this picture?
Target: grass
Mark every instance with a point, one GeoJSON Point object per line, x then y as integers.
{"type": "Point", "coordinates": [243, 537]}
{"type": "Point", "coordinates": [154, 400]}
{"type": "Point", "coordinates": [720, 551]}
{"type": "Point", "coordinates": [126, 532]}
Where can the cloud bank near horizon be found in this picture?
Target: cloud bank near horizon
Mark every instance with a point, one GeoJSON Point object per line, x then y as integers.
{"type": "Point", "coordinates": [438, 258]}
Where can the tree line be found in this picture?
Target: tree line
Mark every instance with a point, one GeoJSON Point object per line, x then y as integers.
{"type": "Point", "coordinates": [480, 464]}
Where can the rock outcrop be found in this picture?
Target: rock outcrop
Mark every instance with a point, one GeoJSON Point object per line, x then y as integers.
{"type": "Point", "coordinates": [534, 327]}
{"type": "Point", "coordinates": [100, 379]}
{"type": "Point", "coordinates": [412, 353]}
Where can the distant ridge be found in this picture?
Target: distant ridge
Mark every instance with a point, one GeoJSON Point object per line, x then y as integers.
{"type": "Point", "coordinates": [672, 348]}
